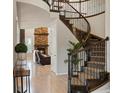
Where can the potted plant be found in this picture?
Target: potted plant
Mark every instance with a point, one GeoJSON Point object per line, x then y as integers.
{"type": "Point", "coordinates": [75, 60]}
{"type": "Point", "coordinates": [75, 47]}
{"type": "Point", "coordinates": [21, 50]}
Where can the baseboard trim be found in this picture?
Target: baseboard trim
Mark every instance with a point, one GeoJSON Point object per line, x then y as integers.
{"type": "Point", "coordinates": [61, 73]}
{"type": "Point", "coordinates": [56, 73]}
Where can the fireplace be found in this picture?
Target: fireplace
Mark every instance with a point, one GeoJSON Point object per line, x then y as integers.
{"type": "Point", "coordinates": [41, 39]}
{"type": "Point", "coordinates": [43, 48]}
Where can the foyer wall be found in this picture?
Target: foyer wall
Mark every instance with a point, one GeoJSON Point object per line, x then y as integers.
{"type": "Point", "coordinates": [38, 3]}
{"type": "Point", "coordinates": [14, 30]}
{"type": "Point", "coordinates": [52, 41]}
{"type": "Point", "coordinates": [64, 35]}
{"type": "Point", "coordinates": [59, 35]}
{"type": "Point", "coordinates": [97, 24]}
{"type": "Point", "coordinates": [31, 16]}
{"type": "Point", "coordinates": [107, 32]}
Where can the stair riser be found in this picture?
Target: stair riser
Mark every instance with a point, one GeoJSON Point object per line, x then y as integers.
{"type": "Point", "coordinates": [79, 89]}
{"type": "Point", "coordinates": [93, 74]}
{"type": "Point", "coordinates": [96, 66]}
{"type": "Point", "coordinates": [97, 59]}
{"type": "Point", "coordinates": [98, 54]}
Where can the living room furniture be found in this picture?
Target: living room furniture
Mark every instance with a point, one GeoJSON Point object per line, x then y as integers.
{"type": "Point", "coordinates": [42, 59]}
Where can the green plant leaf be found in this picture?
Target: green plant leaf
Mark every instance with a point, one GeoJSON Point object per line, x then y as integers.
{"type": "Point", "coordinates": [21, 48]}
{"type": "Point", "coordinates": [72, 43]}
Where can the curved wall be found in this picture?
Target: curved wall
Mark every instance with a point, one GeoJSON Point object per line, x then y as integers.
{"type": "Point", "coordinates": [31, 16]}
{"type": "Point", "coordinates": [97, 24]}
{"type": "Point", "coordinates": [38, 3]}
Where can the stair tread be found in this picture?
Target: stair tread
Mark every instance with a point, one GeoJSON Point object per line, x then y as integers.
{"type": "Point", "coordinates": [97, 70]}
{"type": "Point", "coordinates": [100, 56]}
{"type": "Point", "coordinates": [53, 10]}
{"type": "Point", "coordinates": [59, 0]}
{"type": "Point", "coordinates": [95, 62]}
{"type": "Point", "coordinates": [57, 6]}
{"type": "Point", "coordinates": [94, 40]}
{"type": "Point", "coordinates": [82, 78]}
{"type": "Point", "coordinates": [76, 81]}
{"type": "Point", "coordinates": [98, 52]}
{"type": "Point", "coordinates": [86, 76]}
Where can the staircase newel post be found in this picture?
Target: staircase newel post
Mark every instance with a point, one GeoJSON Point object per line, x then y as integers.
{"type": "Point", "coordinates": [69, 73]}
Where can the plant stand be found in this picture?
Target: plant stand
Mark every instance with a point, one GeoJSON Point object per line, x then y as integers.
{"type": "Point", "coordinates": [21, 73]}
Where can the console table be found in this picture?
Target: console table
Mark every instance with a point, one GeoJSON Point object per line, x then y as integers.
{"type": "Point", "coordinates": [21, 72]}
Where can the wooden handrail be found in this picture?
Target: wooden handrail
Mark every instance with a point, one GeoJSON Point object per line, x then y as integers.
{"type": "Point", "coordinates": [85, 16]}
{"type": "Point", "coordinates": [70, 11]}
{"type": "Point", "coordinates": [95, 14]}
{"type": "Point", "coordinates": [78, 1]}
{"type": "Point", "coordinates": [47, 2]}
{"type": "Point", "coordinates": [73, 1]}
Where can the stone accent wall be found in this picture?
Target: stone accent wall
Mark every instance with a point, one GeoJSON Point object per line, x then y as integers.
{"type": "Point", "coordinates": [41, 38]}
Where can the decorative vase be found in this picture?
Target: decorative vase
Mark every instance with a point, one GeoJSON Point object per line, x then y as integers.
{"type": "Point", "coordinates": [21, 56]}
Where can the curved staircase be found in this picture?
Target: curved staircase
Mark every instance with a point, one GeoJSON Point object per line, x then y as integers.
{"type": "Point", "coordinates": [91, 71]}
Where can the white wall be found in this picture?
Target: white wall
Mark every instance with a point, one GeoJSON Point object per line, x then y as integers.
{"type": "Point", "coordinates": [30, 16]}
{"type": "Point", "coordinates": [107, 32]}
{"type": "Point", "coordinates": [52, 41]}
{"type": "Point", "coordinates": [14, 30]}
{"type": "Point", "coordinates": [18, 30]}
{"type": "Point", "coordinates": [97, 24]}
{"type": "Point", "coordinates": [38, 3]}
{"type": "Point", "coordinates": [59, 35]}
{"type": "Point", "coordinates": [63, 36]}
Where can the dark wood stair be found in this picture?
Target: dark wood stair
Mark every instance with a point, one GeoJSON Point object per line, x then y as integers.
{"type": "Point", "coordinates": [67, 23]}
{"type": "Point", "coordinates": [94, 79]}
{"type": "Point", "coordinates": [80, 34]}
{"type": "Point", "coordinates": [79, 89]}
{"type": "Point", "coordinates": [58, 6]}
{"type": "Point", "coordinates": [95, 84]}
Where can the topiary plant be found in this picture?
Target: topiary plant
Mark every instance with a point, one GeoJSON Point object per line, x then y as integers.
{"type": "Point", "coordinates": [75, 47]}
{"type": "Point", "coordinates": [21, 48]}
